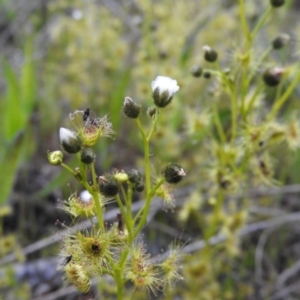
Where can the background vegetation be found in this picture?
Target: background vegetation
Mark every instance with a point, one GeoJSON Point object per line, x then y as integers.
{"type": "Point", "coordinates": [236, 137]}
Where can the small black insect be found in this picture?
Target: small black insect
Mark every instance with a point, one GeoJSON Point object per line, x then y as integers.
{"type": "Point", "coordinates": [67, 260]}
{"type": "Point", "coordinates": [86, 114]}
{"type": "Point", "coordinates": [86, 117]}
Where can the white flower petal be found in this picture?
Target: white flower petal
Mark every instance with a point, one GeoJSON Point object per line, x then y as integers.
{"type": "Point", "coordinates": [85, 196]}
{"type": "Point", "coordinates": [65, 135]}
{"type": "Point", "coordinates": [163, 84]}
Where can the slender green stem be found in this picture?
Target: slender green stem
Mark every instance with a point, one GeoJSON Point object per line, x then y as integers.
{"type": "Point", "coordinates": [140, 127]}
{"type": "Point", "coordinates": [244, 23]}
{"type": "Point", "coordinates": [94, 176]}
{"type": "Point", "coordinates": [218, 124]}
{"type": "Point", "coordinates": [67, 168]}
{"type": "Point", "coordinates": [153, 129]}
{"type": "Point", "coordinates": [284, 97]}
{"type": "Point", "coordinates": [146, 157]}
{"type": "Point", "coordinates": [120, 284]}
{"type": "Point", "coordinates": [253, 99]}
{"type": "Point", "coordinates": [243, 93]}
{"type": "Point", "coordinates": [125, 217]}
{"type": "Point", "coordinates": [96, 197]}
{"type": "Point", "coordinates": [261, 22]}
{"type": "Point", "coordinates": [147, 207]}
{"type": "Point", "coordinates": [233, 100]}
{"type": "Point", "coordinates": [128, 213]}
{"type": "Point", "coordinates": [160, 182]}
{"type": "Point", "coordinates": [138, 215]}
{"type": "Point", "coordinates": [124, 194]}
{"type": "Point", "coordinates": [128, 204]}
{"type": "Point", "coordinates": [259, 63]}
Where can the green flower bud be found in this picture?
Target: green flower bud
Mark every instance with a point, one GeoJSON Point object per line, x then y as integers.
{"type": "Point", "coordinates": [277, 3]}
{"type": "Point", "coordinates": [55, 158]}
{"type": "Point", "coordinates": [77, 174]}
{"type": "Point", "coordinates": [131, 108]}
{"type": "Point", "coordinates": [69, 141]}
{"type": "Point", "coordinates": [196, 71]}
{"type": "Point", "coordinates": [108, 185]}
{"type": "Point", "coordinates": [87, 156]}
{"type": "Point", "coordinates": [281, 41]}
{"type": "Point", "coordinates": [273, 76]}
{"type": "Point", "coordinates": [210, 55]}
{"type": "Point", "coordinates": [121, 176]}
{"type": "Point", "coordinates": [173, 173]}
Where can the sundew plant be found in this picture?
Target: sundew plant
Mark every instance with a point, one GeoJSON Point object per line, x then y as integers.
{"type": "Point", "coordinates": [108, 249]}
{"type": "Point", "coordinates": [230, 141]}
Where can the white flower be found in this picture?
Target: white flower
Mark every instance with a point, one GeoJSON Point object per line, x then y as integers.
{"type": "Point", "coordinates": [66, 135]}
{"type": "Point", "coordinates": [85, 196]}
{"type": "Point", "coordinates": [164, 83]}
{"type": "Point", "coordinates": [69, 140]}
{"type": "Point", "coordinates": [163, 89]}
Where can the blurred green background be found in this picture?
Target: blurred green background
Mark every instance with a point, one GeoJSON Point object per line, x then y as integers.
{"type": "Point", "coordinates": [60, 56]}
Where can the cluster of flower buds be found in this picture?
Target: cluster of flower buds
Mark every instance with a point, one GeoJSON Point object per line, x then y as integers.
{"type": "Point", "coordinates": [163, 90]}
{"type": "Point", "coordinates": [82, 140]}
{"type": "Point", "coordinates": [136, 178]}
{"type": "Point", "coordinates": [86, 252]}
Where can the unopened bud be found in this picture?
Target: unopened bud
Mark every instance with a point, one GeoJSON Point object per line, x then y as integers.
{"type": "Point", "coordinates": [151, 111]}
{"type": "Point", "coordinates": [69, 141]}
{"type": "Point", "coordinates": [277, 3]}
{"type": "Point", "coordinates": [55, 158]}
{"type": "Point", "coordinates": [108, 185]}
{"type": "Point", "coordinates": [210, 54]}
{"type": "Point", "coordinates": [121, 177]}
{"type": "Point", "coordinates": [173, 173]}
{"type": "Point", "coordinates": [139, 187]}
{"type": "Point", "coordinates": [87, 156]}
{"type": "Point", "coordinates": [282, 40]}
{"type": "Point", "coordinates": [196, 71]}
{"type": "Point", "coordinates": [273, 76]}
{"type": "Point", "coordinates": [206, 74]}
{"type": "Point", "coordinates": [77, 174]}
{"type": "Point", "coordinates": [136, 178]}
{"type": "Point", "coordinates": [163, 90]}
{"type": "Point", "coordinates": [131, 108]}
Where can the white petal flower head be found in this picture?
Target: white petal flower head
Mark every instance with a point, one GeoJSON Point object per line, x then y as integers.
{"type": "Point", "coordinates": [163, 89]}
{"type": "Point", "coordinates": [85, 196]}
{"type": "Point", "coordinates": [69, 140]}
{"type": "Point", "coordinates": [65, 135]}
